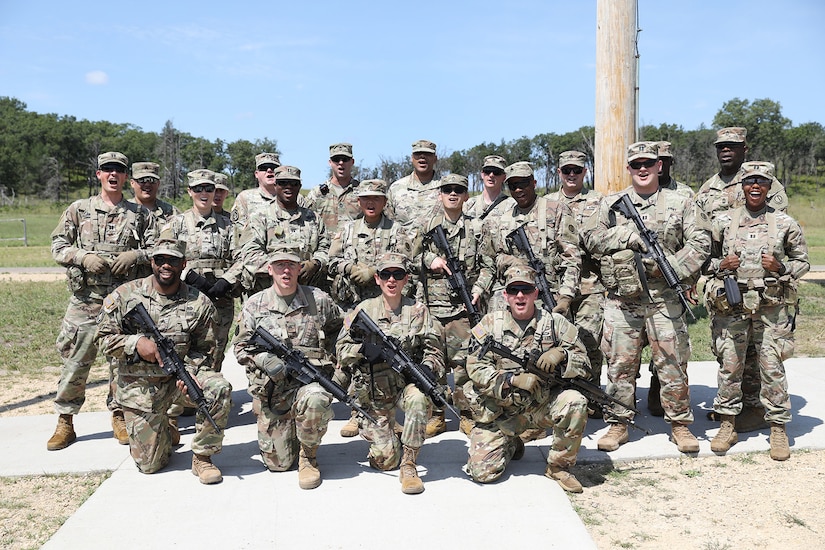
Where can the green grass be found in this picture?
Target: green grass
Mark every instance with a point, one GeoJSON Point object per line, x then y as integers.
{"type": "Point", "coordinates": [39, 227]}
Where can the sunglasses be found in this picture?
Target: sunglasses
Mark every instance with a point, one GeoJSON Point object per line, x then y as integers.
{"type": "Point", "coordinates": [525, 289]}
{"type": "Point", "coordinates": [756, 181]}
{"type": "Point", "coordinates": [336, 160]}
{"type": "Point", "coordinates": [457, 189]}
{"type": "Point", "coordinates": [173, 261]}
{"type": "Point", "coordinates": [396, 274]}
{"type": "Point", "coordinates": [637, 164]}
{"type": "Point", "coordinates": [288, 183]}
{"type": "Point", "coordinates": [493, 171]}
{"type": "Point", "coordinates": [204, 188]}
{"type": "Point", "coordinates": [267, 167]}
{"type": "Point", "coordinates": [513, 185]}
{"type": "Point", "coordinates": [113, 168]}
{"type": "Point", "coordinates": [567, 170]}
{"type": "Point", "coordinates": [144, 181]}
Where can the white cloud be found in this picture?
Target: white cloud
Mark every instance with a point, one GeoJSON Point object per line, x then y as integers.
{"type": "Point", "coordinates": [97, 78]}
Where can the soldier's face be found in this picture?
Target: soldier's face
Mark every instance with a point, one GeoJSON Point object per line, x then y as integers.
{"type": "Point", "coordinates": [645, 175]}
{"type": "Point", "coordinates": [493, 179]}
{"type": "Point", "coordinates": [664, 171]}
{"type": "Point", "coordinates": [453, 197]}
{"type": "Point", "coordinates": [112, 177]}
{"type": "Point", "coordinates": [284, 275]}
{"type": "Point", "coordinates": [391, 287]}
{"type": "Point", "coordinates": [523, 190]}
{"type": "Point", "coordinates": [521, 298]}
{"type": "Point", "coordinates": [287, 192]}
{"type": "Point", "coordinates": [572, 179]}
{"type": "Point", "coordinates": [341, 166]}
{"type": "Point", "coordinates": [756, 192]}
{"type": "Point", "coordinates": [423, 163]}
{"type": "Point", "coordinates": [372, 206]}
{"type": "Point", "coordinates": [731, 156]}
{"type": "Point", "coordinates": [220, 196]}
{"type": "Point", "coordinates": [167, 270]}
{"type": "Point", "coordinates": [265, 174]}
{"type": "Point", "coordinates": [145, 189]}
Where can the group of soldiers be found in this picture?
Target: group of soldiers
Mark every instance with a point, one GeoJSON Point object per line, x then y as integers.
{"type": "Point", "coordinates": [373, 293]}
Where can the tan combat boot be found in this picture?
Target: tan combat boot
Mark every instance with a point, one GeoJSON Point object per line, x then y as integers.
{"type": "Point", "coordinates": [435, 425]}
{"type": "Point", "coordinates": [207, 473]}
{"type": "Point", "coordinates": [411, 484]}
{"type": "Point", "coordinates": [119, 428]}
{"type": "Point", "coordinates": [533, 434]}
{"type": "Point", "coordinates": [173, 431]}
{"type": "Point", "coordinates": [780, 450]}
{"type": "Point", "coordinates": [726, 437]}
{"type": "Point", "coordinates": [466, 423]}
{"type": "Point", "coordinates": [564, 478]}
{"type": "Point", "coordinates": [309, 476]}
{"type": "Point", "coordinates": [654, 398]}
{"type": "Point", "coordinates": [63, 435]}
{"type": "Point", "coordinates": [350, 429]}
{"type": "Point", "coordinates": [684, 440]}
{"type": "Point", "coordinates": [615, 436]}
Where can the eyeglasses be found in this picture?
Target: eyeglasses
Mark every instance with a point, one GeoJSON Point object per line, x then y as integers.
{"type": "Point", "coordinates": [396, 274]}
{"type": "Point", "coordinates": [336, 160]}
{"type": "Point", "coordinates": [520, 184]}
{"type": "Point", "coordinates": [567, 170]}
{"type": "Point", "coordinates": [493, 171]}
{"type": "Point", "coordinates": [288, 183]}
{"type": "Point", "coordinates": [756, 180]}
{"type": "Point", "coordinates": [113, 168]}
{"type": "Point", "coordinates": [457, 189]}
{"type": "Point", "coordinates": [267, 167]}
{"type": "Point", "coordinates": [637, 164]}
{"type": "Point", "coordinates": [173, 261]}
{"type": "Point", "coordinates": [525, 289]}
{"type": "Point", "coordinates": [203, 188]}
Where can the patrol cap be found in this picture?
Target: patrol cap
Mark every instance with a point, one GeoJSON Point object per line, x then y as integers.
{"type": "Point", "coordinates": [291, 173]}
{"type": "Point", "coordinates": [520, 274]}
{"type": "Point", "coordinates": [197, 177]}
{"type": "Point", "coordinates": [494, 161]}
{"type": "Point", "coordinates": [642, 150]}
{"type": "Point", "coordinates": [664, 149]}
{"type": "Point", "coordinates": [423, 146]}
{"type": "Point", "coordinates": [168, 245]}
{"type": "Point", "coordinates": [733, 134]}
{"type": "Point", "coordinates": [521, 169]}
{"type": "Point", "coordinates": [392, 259]}
{"type": "Point", "coordinates": [455, 179]}
{"type": "Point", "coordinates": [372, 188]}
{"type": "Point", "coordinates": [145, 170]}
{"type": "Point", "coordinates": [340, 150]}
{"type": "Point", "coordinates": [267, 158]}
{"type": "Point", "coordinates": [112, 157]}
{"type": "Point", "coordinates": [221, 180]}
{"type": "Point", "coordinates": [572, 158]}
{"type": "Point", "coordinates": [284, 254]}
{"type": "Point", "coordinates": [758, 168]}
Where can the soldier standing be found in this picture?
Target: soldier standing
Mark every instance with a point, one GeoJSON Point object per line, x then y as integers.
{"type": "Point", "coordinates": [413, 199]}
{"type": "Point", "coordinates": [633, 317]}
{"type": "Point", "coordinates": [507, 401]}
{"type": "Point", "coordinates": [292, 417]}
{"type": "Point", "coordinates": [762, 251]}
{"type": "Point", "coordinates": [145, 184]}
{"type": "Point", "coordinates": [251, 202]}
{"type": "Point", "coordinates": [99, 240]}
{"type": "Point", "coordinates": [144, 389]}
{"type": "Point", "coordinates": [221, 192]}
{"type": "Point", "coordinates": [380, 389]}
{"type": "Point", "coordinates": [490, 201]}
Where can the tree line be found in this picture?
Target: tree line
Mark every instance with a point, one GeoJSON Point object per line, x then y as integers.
{"type": "Point", "coordinates": [53, 156]}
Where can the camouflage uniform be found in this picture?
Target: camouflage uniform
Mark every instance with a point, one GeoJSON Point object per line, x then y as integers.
{"type": "Point", "coordinates": [290, 413]}
{"type": "Point", "coordinates": [276, 227]}
{"type": "Point", "coordinates": [480, 212]}
{"type": "Point", "coordinates": [249, 204]}
{"type": "Point", "coordinates": [501, 414]}
{"type": "Point", "coordinates": [91, 226]}
{"type": "Point", "coordinates": [762, 319]}
{"type": "Point", "coordinates": [335, 206]}
{"type": "Point", "coordinates": [411, 202]}
{"type": "Point", "coordinates": [587, 308]}
{"type": "Point", "coordinates": [380, 389]}
{"type": "Point", "coordinates": [143, 388]}
{"type": "Point", "coordinates": [632, 319]}
{"type": "Point", "coordinates": [553, 235]}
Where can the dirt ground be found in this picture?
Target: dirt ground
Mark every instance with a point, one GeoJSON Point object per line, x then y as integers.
{"type": "Point", "coordinates": [709, 503]}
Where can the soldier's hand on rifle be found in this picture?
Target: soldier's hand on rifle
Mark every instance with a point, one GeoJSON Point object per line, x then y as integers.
{"type": "Point", "coordinates": [525, 381]}
{"type": "Point", "coordinates": [635, 242]}
{"type": "Point", "coordinates": [651, 267]}
{"type": "Point", "coordinates": [439, 265]}
{"type": "Point", "coordinates": [148, 350]}
{"type": "Point", "coordinates": [124, 261]}
{"type": "Point", "coordinates": [308, 270]}
{"type": "Point", "coordinates": [362, 274]}
{"type": "Point", "coordinates": [550, 359]}
{"type": "Point", "coordinates": [94, 263]}
{"type": "Point", "coordinates": [563, 305]}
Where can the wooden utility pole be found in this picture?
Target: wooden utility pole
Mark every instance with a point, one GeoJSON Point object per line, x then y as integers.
{"type": "Point", "coordinates": [616, 92]}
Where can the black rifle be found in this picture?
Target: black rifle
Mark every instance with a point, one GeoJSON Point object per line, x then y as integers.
{"type": "Point", "coordinates": [299, 367]}
{"type": "Point", "coordinates": [172, 363]}
{"type": "Point", "coordinates": [378, 345]}
{"type": "Point", "coordinates": [589, 390]}
{"type": "Point", "coordinates": [198, 281]}
{"type": "Point", "coordinates": [457, 280]}
{"type": "Point", "coordinates": [519, 239]}
{"type": "Point", "coordinates": [654, 251]}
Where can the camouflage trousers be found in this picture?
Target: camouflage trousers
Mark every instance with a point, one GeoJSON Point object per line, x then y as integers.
{"type": "Point", "coordinates": [300, 418]}
{"type": "Point", "coordinates": [455, 337]}
{"type": "Point", "coordinates": [145, 402]}
{"type": "Point", "coordinates": [588, 315]}
{"type": "Point", "coordinates": [627, 326]}
{"type": "Point", "coordinates": [769, 332]}
{"type": "Point", "coordinates": [76, 345]}
{"type": "Point", "coordinates": [224, 316]}
{"type": "Point", "coordinates": [492, 445]}
{"type": "Point", "coordinates": [751, 383]}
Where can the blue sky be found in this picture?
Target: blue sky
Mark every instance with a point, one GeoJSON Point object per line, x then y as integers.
{"type": "Point", "coordinates": [384, 74]}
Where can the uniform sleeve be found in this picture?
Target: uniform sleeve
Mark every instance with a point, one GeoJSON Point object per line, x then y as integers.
{"type": "Point", "coordinates": [347, 350]}
{"type": "Point", "coordinates": [485, 373]}
{"type": "Point", "coordinates": [695, 248]}
{"type": "Point", "coordinates": [578, 364]}
{"type": "Point", "coordinates": [321, 253]}
{"type": "Point", "coordinates": [111, 338]}
{"type": "Point", "coordinates": [65, 247]}
{"type": "Point", "coordinates": [567, 243]}
{"type": "Point", "coordinates": [796, 264]}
